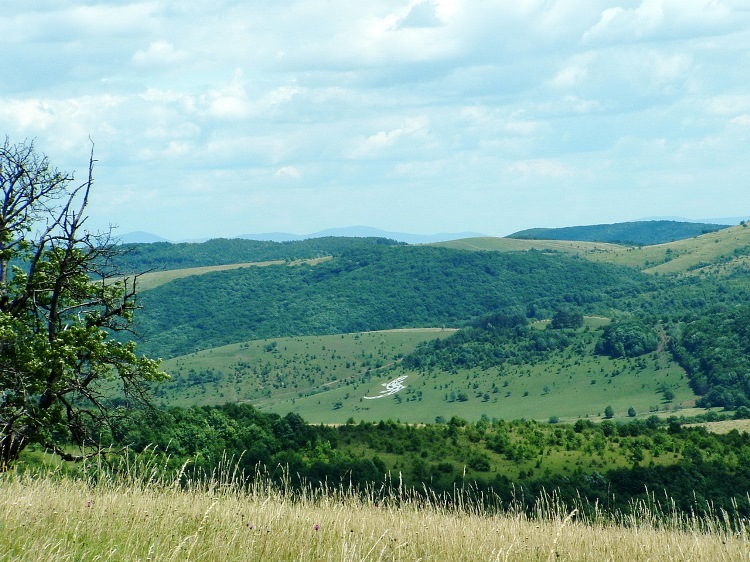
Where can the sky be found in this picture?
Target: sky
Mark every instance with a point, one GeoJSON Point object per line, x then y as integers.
{"type": "Point", "coordinates": [220, 118]}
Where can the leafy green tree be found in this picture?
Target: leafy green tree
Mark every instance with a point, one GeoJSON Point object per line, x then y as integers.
{"type": "Point", "coordinates": [61, 302]}
{"type": "Point", "coordinates": [566, 319]}
{"type": "Point", "coordinates": [627, 338]}
{"type": "Point", "coordinates": [714, 349]}
{"type": "Point", "coordinates": [609, 412]}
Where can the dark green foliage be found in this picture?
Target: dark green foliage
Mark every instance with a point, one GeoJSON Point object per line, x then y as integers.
{"type": "Point", "coordinates": [715, 351]}
{"type": "Point", "coordinates": [223, 251]}
{"type": "Point", "coordinates": [565, 318]}
{"type": "Point", "coordinates": [490, 342]}
{"type": "Point", "coordinates": [627, 338]}
{"type": "Point", "coordinates": [380, 287]}
{"type": "Point", "coordinates": [635, 233]}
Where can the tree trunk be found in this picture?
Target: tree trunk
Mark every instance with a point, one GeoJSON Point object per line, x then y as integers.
{"type": "Point", "coordinates": [11, 446]}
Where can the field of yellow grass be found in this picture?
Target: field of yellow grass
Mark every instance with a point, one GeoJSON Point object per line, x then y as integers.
{"type": "Point", "coordinates": [55, 518]}
{"type": "Point", "coordinates": [725, 426]}
{"type": "Point", "coordinates": [153, 279]}
{"type": "Point", "coordinates": [722, 252]}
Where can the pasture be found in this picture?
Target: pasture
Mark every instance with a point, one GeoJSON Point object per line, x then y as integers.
{"type": "Point", "coordinates": [274, 370]}
{"type": "Point", "coordinates": [721, 252]}
{"type": "Point", "coordinates": [329, 379]}
{"type": "Point", "coordinates": [563, 388]}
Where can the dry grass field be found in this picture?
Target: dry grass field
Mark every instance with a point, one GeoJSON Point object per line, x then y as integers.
{"type": "Point", "coordinates": [153, 279]}
{"type": "Point", "coordinates": [722, 252]}
{"type": "Point", "coordinates": [52, 518]}
{"type": "Point", "coordinates": [726, 426]}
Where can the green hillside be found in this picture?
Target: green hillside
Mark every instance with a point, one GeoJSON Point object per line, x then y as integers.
{"type": "Point", "coordinates": [513, 245]}
{"type": "Point", "coordinates": [377, 288]}
{"type": "Point", "coordinates": [567, 383]}
{"type": "Point", "coordinates": [516, 343]}
{"type": "Point", "coordinates": [163, 256]}
{"type": "Point", "coordinates": [265, 372]}
{"type": "Point", "coordinates": [329, 379]}
{"type": "Point", "coordinates": [153, 279]}
{"type": "Point", "coordinates": [629, 233]}
{"type": "Point", "coordinates": [722, 252]}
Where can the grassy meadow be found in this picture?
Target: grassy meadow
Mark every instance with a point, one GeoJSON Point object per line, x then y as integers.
{"type": "Point", "coordinates": [563, 388]}
{"type": "Point", "coordinates": [329, 379]}
{"type": "Point", "coordinates": [53, 518]}
{"type": "Point", "coordinates": [265, 372]}
{"type": "Point", "coordinates": [720, 252]}
{"type": "Point", "coordinates": [517, 245]}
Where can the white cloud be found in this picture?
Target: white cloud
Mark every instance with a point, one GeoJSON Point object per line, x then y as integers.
{"type": "Point", "coordinates": [378, 143]}
{"type": "Point", "coordinates": [421, 14]}
{"type": "Point", "coordinates": [71, 22]}
{"type": "Point", "coordinates": [654, 19]}
{"type": "Point", "coordinates": [229, 101]}
{"type": "Point", "coordinates": [540, 167]}
{"type": "Point", "coordinates": [569, 76]}
{"type": "Point", "coordinates": [287, 172]}
{"type": "Point", "coordinates": [730, 104]}
{"type": "Point", "coordinates": [65, 123]}
{"type": "Point", "coordinates": [159, 52]}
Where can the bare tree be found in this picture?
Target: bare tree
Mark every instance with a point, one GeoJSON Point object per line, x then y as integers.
{"type": "Point", "coordinates": [62, 300]}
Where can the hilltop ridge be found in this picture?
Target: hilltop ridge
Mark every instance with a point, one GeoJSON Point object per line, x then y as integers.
{"type": "Point", "coordinates": [637, 233]}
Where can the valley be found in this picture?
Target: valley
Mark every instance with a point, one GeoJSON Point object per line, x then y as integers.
{"type": "Point", "coordinates": [589, 368]}
{"type": "Point", "coordinates": [402, 297]}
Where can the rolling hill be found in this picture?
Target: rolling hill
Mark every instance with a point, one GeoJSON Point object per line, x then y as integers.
{"type": "Point", "coordinates": [721, 252]}
{"type": "Point", "coordinates": [265, 316]}
{"type": "Point", "coordinates": [629, 233]}
{"type": "Point", "coordinates": [265, 372]}
{"type": "Point", "coordinates": [375, 288]}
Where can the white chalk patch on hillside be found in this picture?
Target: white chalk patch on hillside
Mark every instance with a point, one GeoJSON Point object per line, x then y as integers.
{"type": "Point", "coordinates": [391, 387]}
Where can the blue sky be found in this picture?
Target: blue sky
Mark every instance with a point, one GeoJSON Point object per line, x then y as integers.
{"type": "Point", "coordinates": [223, 118]}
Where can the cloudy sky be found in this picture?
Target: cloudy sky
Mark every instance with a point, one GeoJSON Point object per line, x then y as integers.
{"type": "Point", "coordinates": [219, 118]}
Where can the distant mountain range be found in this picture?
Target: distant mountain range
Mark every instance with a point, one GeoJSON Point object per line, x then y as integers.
{"type": "Point", "coordinates": [651, 230]}
{"type": "Point", "coordinates": [364, 232]}
{"type": "Point", "coordinates": [139, 237]}
{"type": "Point", "coordinates": [349, 232]}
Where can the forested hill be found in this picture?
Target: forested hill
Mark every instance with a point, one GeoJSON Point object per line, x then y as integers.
{"type": "Point", "coordinates": [161, 256]}
{"type": "Point", "coordinates": [373, 288]}
{"type": "Point", "coordinates": [638, 233]}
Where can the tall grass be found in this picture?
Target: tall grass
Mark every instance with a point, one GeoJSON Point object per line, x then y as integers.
{"type": "Point", "coordinates": [137, 514]}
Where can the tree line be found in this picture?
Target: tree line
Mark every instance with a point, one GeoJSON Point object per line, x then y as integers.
{"type": "Point", "coordinates": [609, 464]}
